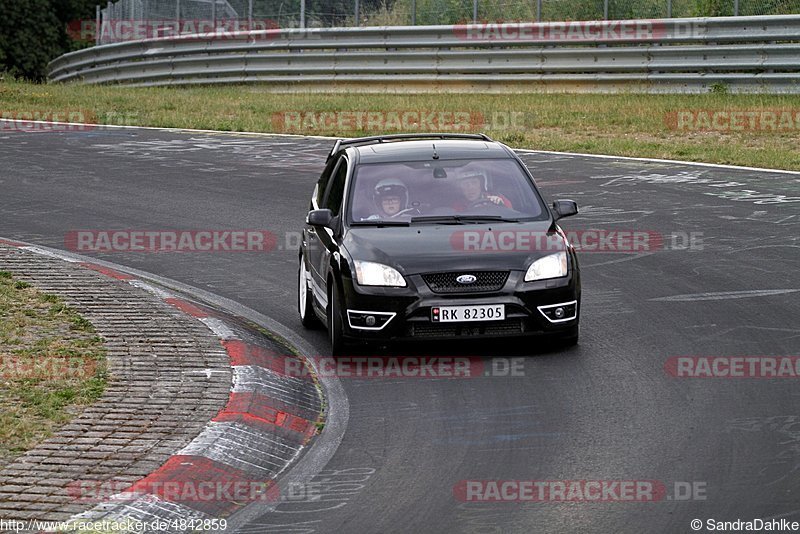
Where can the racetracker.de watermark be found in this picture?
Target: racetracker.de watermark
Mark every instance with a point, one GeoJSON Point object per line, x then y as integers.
{"type": "Point", "coordinates": [119, 30]}
{"type": "Point", "coordinates": [48, 121]}
{"type": "Point", "coordinates": [756, 120]}
{"type": "Point", "coordinates": [159, 241]}
{"type": "Point", "coordinates": [407, 367]}
{"type": "Point", "coordinates": [97, 491]}
{"type": "Point", "coordinates": [46, 367]}
{"type": "Point", "coordinates": [128, 525]}
{"type": "Point", "coordinates": [33, 121]}
{"type": "Point", "coordinates": [573, 31]}
{"type": "Point", "coordinates": [209, 491]}
{"type": "Point", "coordinates": [410, 120]}
{"type": "Point", "coordinates": [733, 366]}
{"type": "Point", "coordinates": [623, 241]}
{"type": "Point", "coordinates": [576, 491]}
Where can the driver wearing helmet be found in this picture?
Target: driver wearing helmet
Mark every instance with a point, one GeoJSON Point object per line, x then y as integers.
{"type": "Point", "coordinates": [472, 184]}
{"type": "Point", "coordinates": [390, 197]}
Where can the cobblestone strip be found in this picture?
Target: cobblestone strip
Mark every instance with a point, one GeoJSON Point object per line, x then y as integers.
{"type": "Point", "coordinates": [240, 411]}
{"type": "Point", "coordinates": [169, 375]}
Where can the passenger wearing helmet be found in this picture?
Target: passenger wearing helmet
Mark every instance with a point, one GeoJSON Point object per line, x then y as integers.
{"type": "Point", "coordinates": [472, 184]}
{"type": "Point", "coordinates": [391, 198]}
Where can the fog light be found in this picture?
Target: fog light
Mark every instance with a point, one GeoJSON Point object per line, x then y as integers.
{"type": "Point", "coordinates": [371, 320]}
{"type": "Point", "coordinates": [559, 313]}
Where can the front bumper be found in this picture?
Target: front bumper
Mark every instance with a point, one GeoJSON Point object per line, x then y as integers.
{"type": "Point", "coordinates": [405, 313]}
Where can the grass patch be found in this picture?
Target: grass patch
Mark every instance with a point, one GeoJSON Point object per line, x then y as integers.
{"type": "Point", "coordinates": [51, 365]}
{"type": "Point", "coordinates": [620, 124]}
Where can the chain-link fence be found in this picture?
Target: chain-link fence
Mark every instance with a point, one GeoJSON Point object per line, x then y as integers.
{"type": "Point", "coordinates": [136, 19]}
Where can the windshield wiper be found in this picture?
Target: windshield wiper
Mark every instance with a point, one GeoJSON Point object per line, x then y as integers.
{"type": "Point", "coordinates": [460, 219]}
{"type": "Point", "coordinates": [379, 223]}
{"type": "Point", "coordinates": [479, 218]}
{"type": "Point", "coordinates": [445, 219]}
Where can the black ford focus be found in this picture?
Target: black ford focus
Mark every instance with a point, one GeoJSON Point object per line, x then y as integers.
{"type": "Point", "coordinates": [434, 237]}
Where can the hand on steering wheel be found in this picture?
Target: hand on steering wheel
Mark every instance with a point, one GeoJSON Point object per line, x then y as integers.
{"type": "Point", "coordinates": [407, 210]}
{"type": "Point", "coordinates": [484, 202]}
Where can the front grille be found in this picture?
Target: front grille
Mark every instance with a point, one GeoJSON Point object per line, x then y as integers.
{"type": "Point", "coordinates": [508, 327]}
{"type": "Point", "coordinates": [446, 282]}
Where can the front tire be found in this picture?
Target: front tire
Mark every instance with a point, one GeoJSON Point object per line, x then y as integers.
{"type": "Point", "coordinates": [305, 305]}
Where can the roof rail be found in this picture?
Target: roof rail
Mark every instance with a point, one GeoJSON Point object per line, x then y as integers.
{"type": "Point", "coordinates": [401, 137]}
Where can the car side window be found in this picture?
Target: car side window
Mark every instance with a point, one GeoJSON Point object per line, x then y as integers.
{"type": "Point", "coordinates": [335, 195]}
{"type": "Point", "coordinates": [322, 184]}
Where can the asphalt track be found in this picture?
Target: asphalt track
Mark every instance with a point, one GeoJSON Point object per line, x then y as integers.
{"type": "Point", "coordinates": [605, 410]}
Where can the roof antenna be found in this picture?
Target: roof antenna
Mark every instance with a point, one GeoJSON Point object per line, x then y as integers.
{"type": "Point", "coordinates": [435, 155]}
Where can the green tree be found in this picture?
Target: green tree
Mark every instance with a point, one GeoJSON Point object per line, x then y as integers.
{"type": "Point", "coordinates": [715, 8]}
{"type": "Point", "coordinates": [34, 32]}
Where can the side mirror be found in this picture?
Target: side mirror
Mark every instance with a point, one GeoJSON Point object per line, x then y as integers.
{"type": "Point", "coordinates": [564, 208]}
{"type": "Point", "coordinates": [320, 218]}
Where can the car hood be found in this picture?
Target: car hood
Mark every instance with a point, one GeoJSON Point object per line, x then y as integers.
{"type": "Point", "coordinates": [430, 248]}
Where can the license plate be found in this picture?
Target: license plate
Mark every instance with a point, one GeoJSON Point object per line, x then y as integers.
{"type": "Point", "coordinates": [463, 314]}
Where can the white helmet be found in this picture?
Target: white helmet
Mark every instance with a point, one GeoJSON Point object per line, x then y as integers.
{"type": "Point", "coordinates": [390, 187]}
{"type": "Point", "coordinates": [474, 173]}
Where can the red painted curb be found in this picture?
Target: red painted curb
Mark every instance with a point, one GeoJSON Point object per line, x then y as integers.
{"type": "Point", "coordinates": [242, 353]}
{"type": "Point", "coordinates": [221, 486]}
{"type": "Point", "coordinates": [205, 485]}
{"type": "Point", "coordinates": [106, 271]}
{"type": "Point", "coordinates": [187, 307]}
{"type": "Point", "coordinates": [254, 409]}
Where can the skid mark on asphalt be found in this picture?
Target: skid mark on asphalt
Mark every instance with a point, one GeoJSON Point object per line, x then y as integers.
{"type": "Point", "coordinates": [724, 295]}
{"type": "Point", "coordinates": [512, 413]}
{"type": "Point", "coordinates": [589, 210]}
{"type": "Point", "coordinates": [735, 251]}
{"type": "Point", "coordinates": [787, 514]}
{"type": "Point", "coordinates": [744, 336]}
{"type": "Point", "coordinates": [301, 527]}
{"type": "Point", "coordinates": [762, 216]}
{"type": "Point", "coordinates": [510, 425]}
{"type": "Point", "coordinates": [690, 177]}
{"type": "Point", "coordinates": [484, 518]}
{"type": "Point", "coordinates": [628, 257]}
{"type": "Point", "coordinates": [253, 149]}
{"type": "Point", "coordinates": [605, 302]}
{"type": "Point", "coordinates": [750, 195]}
{"type": "Point", "coordinates": [329, 490]}
{"type": "Point", "coordinates": [724, 189]}
{"type": "Point", "coordinates": [786, 429]}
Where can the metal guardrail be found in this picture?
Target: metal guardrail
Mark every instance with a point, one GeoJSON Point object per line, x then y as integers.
{"type": "Point", "coordinates": [759, 54]}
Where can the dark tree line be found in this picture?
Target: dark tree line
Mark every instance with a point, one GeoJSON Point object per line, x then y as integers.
{"type": "Point", "coordinates": [334, 8]}
{"type": "Point", "coordinates": [33, 32]}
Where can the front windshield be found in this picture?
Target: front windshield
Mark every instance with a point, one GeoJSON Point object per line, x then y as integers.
{"type": "Point", "coordinates": [430, 190]}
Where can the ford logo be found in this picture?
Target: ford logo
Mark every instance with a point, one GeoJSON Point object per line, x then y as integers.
{"type": "Point", "coordinates": [466, 279]}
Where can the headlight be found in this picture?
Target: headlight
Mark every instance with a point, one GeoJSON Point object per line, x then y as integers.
{"type": "Point", "coordinates": [552, 266]}
{"type": "Point", "coordinates": [377, 274]}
